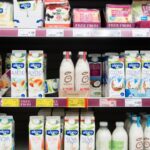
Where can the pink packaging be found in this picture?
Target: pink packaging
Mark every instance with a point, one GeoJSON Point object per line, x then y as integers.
{"type": "Point", "coordinates": [119, 16]}
{"type": "Point", "coordinates": [86, 18]}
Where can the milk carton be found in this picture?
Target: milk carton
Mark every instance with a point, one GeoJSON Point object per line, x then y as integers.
{"type": "Point", "coordinates": [6, 133]}
{"type": "Point", "coordinates": [145, 77]}
{"type": "Point", "coordinates": [116, 77]}
{"type": "Point", "coordinates": [133, 73]}
{"type": "Point", "coordinates": [53, 133]}
{"type": "Point", "coordinates": [36, 133]}
{"type": "Point", "coordinates": [36, 74]}
{"type": "Point", "coordinates": [87, 132]}
{"type": "Point", "coordinates": [71, 133]}
{"type": "Point", "coordinates": [18, 74]}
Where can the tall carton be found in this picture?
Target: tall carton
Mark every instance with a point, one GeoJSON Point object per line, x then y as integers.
{"type": "Point", "coordinates": [36, 133]}
{"type": "Point", "coordinates": [53, 133]}
{"type": "Point", "coordinates": [36, 74]}
{"type": "Point", "coordinates": [18, 74]}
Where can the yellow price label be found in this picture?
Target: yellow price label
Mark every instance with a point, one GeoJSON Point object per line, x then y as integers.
{"type": "Point", "coordinates": [76, 102]}
{"type": "Point", "coordinates": [10, 102]}
{"type": "Point", "coordinates": [44, 102]}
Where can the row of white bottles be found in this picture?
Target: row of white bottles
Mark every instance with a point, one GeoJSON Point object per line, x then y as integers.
{"type": "Point", "coordinates": [138, 139]}
{"type": "Point", "coordinates": [74, 78]}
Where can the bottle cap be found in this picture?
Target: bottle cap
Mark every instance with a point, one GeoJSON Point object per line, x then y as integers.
{"type": "Point", "coordinates": [119, 124]}
{"type": "Point", "coordinates": [103, 124]}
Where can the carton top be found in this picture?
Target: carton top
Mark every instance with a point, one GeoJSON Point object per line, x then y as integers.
{"type": "Point", "coordinates": [53, 119]}
{"type": "Point", "coordinates": [36, 53]}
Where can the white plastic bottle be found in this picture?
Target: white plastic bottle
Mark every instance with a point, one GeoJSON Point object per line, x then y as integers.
{"type": "Point", "coordinates": [66, 73]}
{"type": "Point", "coordinates": [82, 73]}
{"type": "Point", "coordinates": [119, 137]}
{"type": "Point", "coordinates": [147, 135]}
{"type": "Point", "coordinates": [103, 137]}
{"type": "Point", "coordinates": [136, 135]}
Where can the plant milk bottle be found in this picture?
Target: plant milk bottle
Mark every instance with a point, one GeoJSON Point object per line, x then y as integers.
{"type": "Point", "coordinates": [136, 135]}
{"type": "Point", "coordinates": [66, 73]}
{"type": "Point", "coordinates": [36, 133]}
{"type": "Point", "coordinates": [103, 137]}
{"type": "Point", "coordinates": [147, 135]}
{"type": "Point", "coordinates": [82, 73]}
{"type": "Point", "coordinates": [119, 137]}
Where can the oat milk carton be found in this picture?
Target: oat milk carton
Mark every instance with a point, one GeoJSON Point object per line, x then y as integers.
{"type": "Point", "coordinates": [53, 133]}
{"type": "Point", "coordinates": [71, 133]}
{"type": "Point", "coordinates": [133, 73]}
{"type": "Point", "coordinates": [36, 74]}
{"type": "Point", "coordinates": [116, 77]}
{"type": "Point", "coordinates": [18, 74]}
{"type": "Point", "coordinates": [87, 132]}
{"type": "Point", "coordinates": [36, 133]}
{"type": "Point", "coordinates": [6, 133]}
{"type": "Point", "coordinates": [145, 77]}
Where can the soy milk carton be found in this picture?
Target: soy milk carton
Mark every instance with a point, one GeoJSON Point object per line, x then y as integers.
{"type": "Point", "coordinates": [36, 74]}
{"type": "Point", "coordinates": [87, 132]}
{"type": "Point", "coordinates": [145, 83]}
{"type": "Point", "coordinates": [36, 133]}
{"type": "Point", "coordinates": [6, 133]}
{"type": "Point", "coordinates": [18, 74]}
{"type": "Point", "coordinates": [116, 76]}
{"type": "Point", "coordinates": [71, 133]}
{"type": "Point", "coordinates": [53, 133]}
{"type": "Point", "coordinates": [133, 73]}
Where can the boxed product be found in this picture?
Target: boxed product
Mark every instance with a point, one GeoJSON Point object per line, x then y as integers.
{"type": "Point", "coordinates": [6, 14]}
{"type": "Point", "coordinates": [18, 74]}
{"type": "Point", "coordinates": [36, 74]}
{"type": "Point", "coordinates": [133, 73]}
{"type": "Point", "coordinates": [141, 13]}
{"type": "Point", "coordinates": [57, 13]}
{"type": "Point", "coordinates": [86, 18]}
{"type": "Point", "coordinates": [36, 133]}
{"type": "Point", "coordinates": [119, 16]}
{"type": "Point", "coordinates": [28, 13]}
{"type": "Point", "coordinates": [53, 133]}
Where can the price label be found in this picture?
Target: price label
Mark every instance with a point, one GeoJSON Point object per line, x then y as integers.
{"type": "Point", "coordinates": [82, 32]}
{"type": "Point", "coordinates": [76, 102]}
{"type": "Point", "coordinates": [44, 102]}
{"type": "Point", "coordinates": [140, 32]}
{"type": "Point", "coordinates": [26, 32]}
{"type": "Point", "coordinates": [108, 103]}
{"type": "Point", "coordinates": [133, 102]}
{"type": "Point", "coordinates": [10, 102]}
{"type": "Point", "coordinates": [55, 32]}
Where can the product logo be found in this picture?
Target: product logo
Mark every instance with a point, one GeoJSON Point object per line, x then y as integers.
{"type": "Point", "coordinates": [52, 132]}
{"type": "Point", "coordinates": [146, 65]}
{"type": "Point", "coordinates": [139, 144]}
{"type": "Point", "coordinates": [85, 78]}
{"type": "Point", "coordinates": [35, 65]}
{"type": "Point", "coordinates": [71, 132]}
{"type": "Point", "coordinates": [35, 132]}
{"type": "Point", "coordinates": [117, 65]}
{"type": "Point", "coordinates": [146, 143]}
{"type": "Point", "coordinates": [25, 5]}
{"type": "Point", "coordinates": [87, 132]}
{"type": "Point", "coordinates": [1, 10]}
{"type": "Point", "coordinates": [4, 132]}
{"type": "Point", "coordinates": [68, 77]}
{"type": "Point", "coordinates": [18, 65]}
{"type": "Point", "coordinates": [134, 65]}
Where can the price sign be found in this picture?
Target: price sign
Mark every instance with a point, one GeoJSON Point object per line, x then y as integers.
{"type": "Point", "coordinates": [82, 32]}
{"type": "Point", "coordinates": [108, 103]}
{"type": "Point", "coordinates": [76, 102]}
{"type": "Point", "coordinates": [10, 102]}
{"type": "Point", "coordinates": [55, 33]}
{"type": "Point", "coordinates": [133, 102]}
{"type": "Point", "coordinates": [44, 102]}
{"type": "Point", "coordinates": [26, 32]}
{"type": "Point", "coordinates": [140, 32]}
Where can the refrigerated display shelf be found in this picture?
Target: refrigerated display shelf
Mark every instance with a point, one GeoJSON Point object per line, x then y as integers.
{"type": "Point", "coordinates": [75, 32]}
{"type": "Point", "coordinates": [74, 102]}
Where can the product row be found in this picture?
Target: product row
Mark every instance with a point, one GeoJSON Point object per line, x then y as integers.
{"type": "Point", "coordinates": [57, 13]}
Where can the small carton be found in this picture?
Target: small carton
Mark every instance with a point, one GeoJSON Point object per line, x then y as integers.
{"type": "Point", "coordinates": [87, 132]}
{"type": "Point", "coordinates": [36, 74]}
{"type": "Point", "coordinates": [18, 74]}
{"type": "Point", "coordinates": [71, 133]}
{"type": "Point", "coordinates": [36, 133]}
{"type": "Point", "coordinates": [116, 77]}
{"type": "Point", "coordinates": [6, 133]}
{"type": "Point", "coordinates": [145, 77]}
{"type": "Point", "coordinates": [133, 73]}
{"type": "Point", "coordinates": [53, 133]}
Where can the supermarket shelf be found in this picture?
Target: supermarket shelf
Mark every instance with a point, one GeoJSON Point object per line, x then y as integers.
{"type": "Point", "coordinates": [76, 32]}
{"type": "Point", "coordinates": [74, 102]}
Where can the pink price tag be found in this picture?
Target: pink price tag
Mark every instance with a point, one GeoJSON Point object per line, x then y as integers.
{"type": "Point", "coordinates": [108, 103]}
